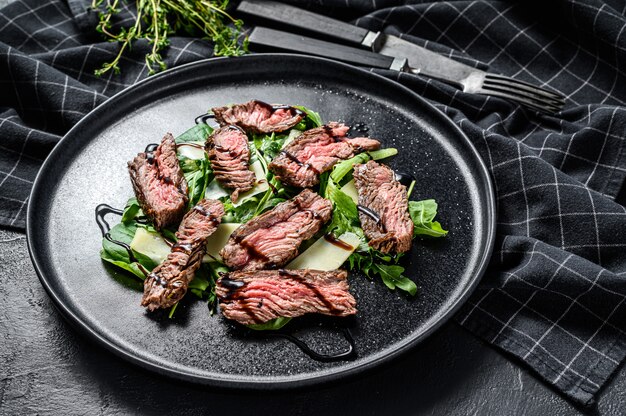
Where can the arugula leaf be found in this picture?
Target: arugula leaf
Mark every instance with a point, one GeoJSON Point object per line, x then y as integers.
{"type": "Point", "coordinates": [392, 277]}
{"type": "Point", "coordinates": [311, 120]}
{"type": "Point", "coordinates": [423, 214]}
{"type": "Point", "coordinates": [272, 325]}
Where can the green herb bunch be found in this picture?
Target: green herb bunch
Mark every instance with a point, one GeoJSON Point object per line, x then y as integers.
{"type": "Point", "coordinates": [157, 19]}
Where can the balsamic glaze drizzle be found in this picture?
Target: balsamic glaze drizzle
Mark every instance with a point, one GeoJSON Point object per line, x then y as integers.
{"type": "Point", "coordinates": [101, 211]}
{"type": "Point", "coordinates": [204, 117]}
{"type": "Point", "coordinates": [338, 243]}
{"type": "Point", "coordinates": [349, 354]}
{"type": "Point", "coordinates": [373, 215]}
{"type": "Point", "coordinates": [404, 178]}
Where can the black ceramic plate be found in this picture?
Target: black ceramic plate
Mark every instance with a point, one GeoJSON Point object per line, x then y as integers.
{"type": "Point", "coordinates": [88, 167]}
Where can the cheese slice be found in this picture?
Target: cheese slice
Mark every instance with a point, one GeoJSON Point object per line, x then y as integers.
{"type": "Point", "coordinates": [324, 255]}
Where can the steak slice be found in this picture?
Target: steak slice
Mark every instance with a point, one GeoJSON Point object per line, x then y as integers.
{"type": "Point", "coordinates": [315, 151]}
{"type": "Point", "coordinates": [383, 208]}
{"type": "Point", "coordinates": [230, 155]}
{"type": "Point", "coordinates": [259, 117]}
{"type": "Point", "coordinates": [273, 238]}
{"type": "Point", "coordinates": [168, 282]}
{"type": "Point", "coordinates": [259, 296]}
{"type": "Point", "coordinates": [159, 183]}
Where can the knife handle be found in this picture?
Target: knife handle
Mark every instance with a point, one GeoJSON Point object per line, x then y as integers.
{"type": "Point", "coordinates": [265, 38]}
{"type": "Point", "coordinates": [291, 17]}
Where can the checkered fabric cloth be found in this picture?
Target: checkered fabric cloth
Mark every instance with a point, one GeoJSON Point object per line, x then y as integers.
{"type": "Point", "coordinates": [554, 294]}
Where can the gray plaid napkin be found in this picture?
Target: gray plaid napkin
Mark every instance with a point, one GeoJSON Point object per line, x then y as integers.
{"type": "Point", "coordinates": [555, 289]}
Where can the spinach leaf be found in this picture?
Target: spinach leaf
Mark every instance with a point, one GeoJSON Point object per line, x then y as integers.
{"type": "Point", "coordinates": [423, 214]}
{"type": "Point", "coordinates": [131, 210]}
{"type": "Point", "coordinates": [118, 255]}
{"type": "Point", "coordinates": [197, 133]}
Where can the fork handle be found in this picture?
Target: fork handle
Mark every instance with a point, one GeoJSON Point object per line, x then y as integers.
{"type": "Point", "coordinates": [286, 16]}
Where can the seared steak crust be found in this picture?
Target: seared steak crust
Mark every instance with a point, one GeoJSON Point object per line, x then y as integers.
{"type": "Point", "coordinates": [315, 151]}
{"type": "Point", "coordinates": [230, 155]}
{"type": "Point", "coordinates": [259, 117]}
{"type": "Point", "coordinates": [168, 282]}
{"type": "Point", "coordinates": [159, 184]}
{"type": "Point", "coordinates": [259, 296]}
{"type": "Point", "coordinates": [383, 195]}
{"type": "Point", "coordinates": [273, 238]}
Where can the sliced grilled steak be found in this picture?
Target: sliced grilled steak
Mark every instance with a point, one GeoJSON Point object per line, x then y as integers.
{"type": "Point", "coordinates": [315, 151]}
{"type": "Point", "coordinates": [159, 184]}
{"type": "Point", "coordinates": [230, 155]}
{"type": "Point", "coordinates": [259, 117]}
{"type": "Point", "coordinates": [260, 296]}
{"type": "Point", "coordinates": [273, 238]}
{"type": "Point", "coordinates": [383, 208]}
{"type": "Point", "coordinates": [168, 282]}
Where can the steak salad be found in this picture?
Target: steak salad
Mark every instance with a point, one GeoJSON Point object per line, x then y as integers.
{"type": "Point", "coordinates": [264, 215]}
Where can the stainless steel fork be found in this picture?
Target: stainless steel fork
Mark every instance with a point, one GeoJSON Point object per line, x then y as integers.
{"type": "Point", "coordinates": [391, 52]}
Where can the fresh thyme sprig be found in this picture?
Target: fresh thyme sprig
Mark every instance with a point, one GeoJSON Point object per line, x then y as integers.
{"type": "Point", "coordinates": [157, 19]}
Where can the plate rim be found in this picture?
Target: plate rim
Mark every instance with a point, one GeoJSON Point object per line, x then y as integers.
{"type": "Point", "coordinates": [292, 382]}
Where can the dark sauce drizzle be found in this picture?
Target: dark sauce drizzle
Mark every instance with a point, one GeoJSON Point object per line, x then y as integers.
{"type": "Point", "coordinates": [349, 354]}
{"type": "Point", "coordinates": [336, 242]}
{"type": "Point", "coordinates": [101, 211]}
{"type": "Point", "coordinates": [373, 215]}
{"type": "Point", "coordinates": [404, 178]}
{"type": "Point", "coordinates": [204, 117]}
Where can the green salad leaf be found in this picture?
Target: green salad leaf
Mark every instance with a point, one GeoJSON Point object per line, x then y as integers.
{"type": "Point", "coordinates": [131, 210]}
{"type": "Point", "coordinates": [118, 256]}
{"type": "Point", "coordinates": [311, 120]}
{"type": "Point", "coordinates": [197, 133]}
{"type": "Point", "coordinates": [272, 325]}
{"type": "Point", "coordinates": [423, 215]}
{"type": "Point", "coordinates": [264, 148]}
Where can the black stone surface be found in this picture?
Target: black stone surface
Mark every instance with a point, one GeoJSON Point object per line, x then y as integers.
{"type": "Point", "coordinates": [48, 368]}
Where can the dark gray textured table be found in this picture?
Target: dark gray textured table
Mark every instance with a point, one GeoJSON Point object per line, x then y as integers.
{"type": "Point", "coordinates": [49, 368]}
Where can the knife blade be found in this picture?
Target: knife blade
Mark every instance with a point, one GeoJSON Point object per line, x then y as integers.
{"type": "Point", "coordinates": [421, 60]}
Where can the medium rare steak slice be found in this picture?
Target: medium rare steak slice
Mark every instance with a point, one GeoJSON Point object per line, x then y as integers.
{"type": "Point", "coordinates": [230, 155]}
{"type": "Point", "coordinates": [315, 151]}
{"type": "Point", "coordinates": [260, 296]}
{"type": "Point", "coordinates": [259, 117]}
{"type": "Point", "coordinates": [168, 282]}
{"type": "Point", "coordinates": [159, 184]}
{"type": "Point", "coordinates": [273, 238]}
{"type": "Point", "coordinates": [383, 208]}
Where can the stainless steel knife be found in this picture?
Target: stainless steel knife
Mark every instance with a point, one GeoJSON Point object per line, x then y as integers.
{"type": "Point", "coordinates": [421, 60]}
{"type": "Point", "coordinates": [404, 55]}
